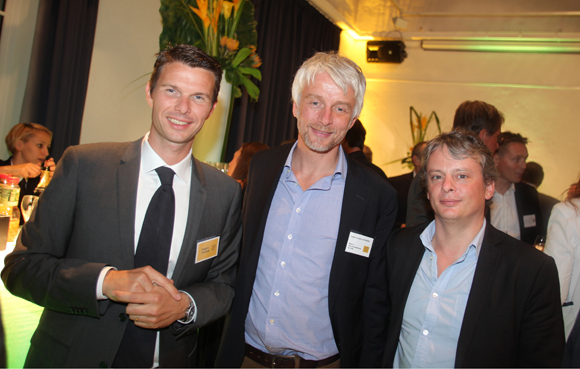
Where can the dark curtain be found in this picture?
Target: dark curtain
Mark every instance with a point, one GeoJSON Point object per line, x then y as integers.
{"type": "Point", "coordinates": [59, 69]}
{"type": "Point", "coordinates": [289, 32]}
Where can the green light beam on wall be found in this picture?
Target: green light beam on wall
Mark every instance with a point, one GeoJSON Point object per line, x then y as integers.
{"type": "Point", "coordinates": [559, 47]}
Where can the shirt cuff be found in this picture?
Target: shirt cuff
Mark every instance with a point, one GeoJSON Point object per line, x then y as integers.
{"type": "Point", "coordinates": [100, 281]}
{"type": "Point", "coordinates": [194, 317]}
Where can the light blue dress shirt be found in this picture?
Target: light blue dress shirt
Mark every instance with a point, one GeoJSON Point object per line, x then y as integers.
{"type": "Point", "coordinates": [435, 307]}
{"type": "Point", "coordinates": [288, 312]}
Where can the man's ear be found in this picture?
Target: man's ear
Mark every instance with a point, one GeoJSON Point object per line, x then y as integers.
{"type": "Point", "coordinates": [148, 94]}
{"type": "Point", "coordinates": [18, 145]}
{"type": "Point", "coordinates": [295, 109]}
{"type": "Point", "coordinates": [484, 135]}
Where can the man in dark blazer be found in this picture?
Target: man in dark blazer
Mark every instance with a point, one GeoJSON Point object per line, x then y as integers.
{"type": "Point", "coordinates": [513, 198]}
{"type": "Point", "coordinates": [464, 294]}
{"type": "Point", "coordinates": [402, 184]}
{"type": "Point", "coordinates": [334, 262]}
{"type": "Point", "coordinates": [76, 257]}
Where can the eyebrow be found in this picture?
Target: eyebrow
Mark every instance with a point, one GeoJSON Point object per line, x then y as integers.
{"type": "Point", "coordinates": [340, 102]}
{"type": "Point", "coordinates": [178, 89]}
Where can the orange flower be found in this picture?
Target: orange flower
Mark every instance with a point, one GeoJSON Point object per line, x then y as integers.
{"type": "Point", "coordinates": [257, 61]}
{"type": "Point", "coordinates": [201, 12]}
{"type": "Point", "coordinates": [237, 4]}
{"type": "Point", "coordinates": [423, 122]}
{"type": "Point", "coordinates": [230, 43]}
{"type": "Point", "coordinates": [215, 15]}
{"type": "Point", "coordinates": [228, 6]}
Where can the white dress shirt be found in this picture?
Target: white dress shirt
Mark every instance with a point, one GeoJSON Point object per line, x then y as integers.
{"type": "Point", "coordinates": [148, 184]}
{"type": "Point", "coordinates": [504, 213]}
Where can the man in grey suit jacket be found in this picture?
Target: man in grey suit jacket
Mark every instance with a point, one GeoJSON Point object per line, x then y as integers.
{"type": "Point", "coordinates": [464, 294]}
{"type": "Point", "coordinates": [75, 257]}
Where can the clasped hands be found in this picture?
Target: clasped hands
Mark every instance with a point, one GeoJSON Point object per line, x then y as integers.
{"type": "Point", "coordinates": [152, 300]}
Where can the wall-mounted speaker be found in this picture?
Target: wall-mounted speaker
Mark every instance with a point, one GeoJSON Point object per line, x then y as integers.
{"type": "Point", "coordinates": [386, 51]}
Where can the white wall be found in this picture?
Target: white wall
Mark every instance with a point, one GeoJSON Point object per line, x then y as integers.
{"type": "Point", "coordinates": [539, 95]}
{"type": "Point", "coordinates": [126, 40]}
{"type": "Point", "coordinates": [15, 50]}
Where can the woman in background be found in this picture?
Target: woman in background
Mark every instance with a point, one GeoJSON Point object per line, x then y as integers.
{"type": "Point", "coordinates": [29, 144]}
{"type": "Point", "coordinates": [563, 244]}
{"type": "Point", "coordinates": [240, 164]}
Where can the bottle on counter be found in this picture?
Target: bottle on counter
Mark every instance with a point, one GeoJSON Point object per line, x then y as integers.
{"type": "Point", "coordinates": [14, 211]}
{"type": "Point", "coordinates": [5, 210]}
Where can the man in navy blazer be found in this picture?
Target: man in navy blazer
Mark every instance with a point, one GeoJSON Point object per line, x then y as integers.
{"type": "Point", "coordinates": [464, 294]}
{"type": "Point", "coordinates": [312, 289]}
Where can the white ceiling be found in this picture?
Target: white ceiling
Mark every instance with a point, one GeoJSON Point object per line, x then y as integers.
{"type": "Point", "coordinates": [434, 18]}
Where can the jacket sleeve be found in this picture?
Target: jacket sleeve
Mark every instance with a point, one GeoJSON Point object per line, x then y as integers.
{"type": "Point", "coordinates": [40, 269]}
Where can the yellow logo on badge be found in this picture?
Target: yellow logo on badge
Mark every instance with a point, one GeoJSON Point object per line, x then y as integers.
{"type": "Point", "coordinates": [366, 249]}
{"type": "Point", "coordinates": [207, 249]}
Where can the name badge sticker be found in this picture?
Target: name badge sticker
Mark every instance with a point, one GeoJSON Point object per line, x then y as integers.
{"type": "Point", "coordinates": [529, 220]}
{"type": "Point", "coordinates": [359, 245]}
{"type": "Point", "coordinates": [207, 249]}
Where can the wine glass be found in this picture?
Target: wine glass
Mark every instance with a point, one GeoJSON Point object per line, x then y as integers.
{"type": "Point", "coordinates": [27, 206]}
{"type": "Point", "coordinates": [540, 243]}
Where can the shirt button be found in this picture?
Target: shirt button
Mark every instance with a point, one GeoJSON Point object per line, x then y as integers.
{"type": "Point", "coordinates": [283, 263]}
{"type": "Point", "coordinates": [289, 236]}
{"type": "Point", "coordinates": [298, 210]}
{"type": "Point", "coordinates": [435, 294]}
{"type": "Point", "coordinates": [271, 321]}
{"type": "Point", "coordinates": [425, 332]}
{"type": "Point", "coordinates": [431, 258]}
{"type": "Point", "coordinates": [276, 293]}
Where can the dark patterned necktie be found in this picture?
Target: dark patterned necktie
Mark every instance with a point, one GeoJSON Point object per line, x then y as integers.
{"type": "Point", "coordinates": [138, 345]}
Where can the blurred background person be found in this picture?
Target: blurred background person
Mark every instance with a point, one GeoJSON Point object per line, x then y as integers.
{"type": "Point", "coordinates": [563, 244]}
{"type": "Point", "coordinates": [533, 176]}
{"type": "Point", "coordinates": [353, 145]}
{"type": "Point", "coordinates": [29, 144]}
{"type": "Point", "coordinates": [402, 184]}
{"type": "Point", "coordinates": [238, 167]}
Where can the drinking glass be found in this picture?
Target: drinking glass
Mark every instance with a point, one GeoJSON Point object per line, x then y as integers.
{"type": "Point", "coordinates": [540, 243]}
{"type": "Point", "coordinates": [27, 206]}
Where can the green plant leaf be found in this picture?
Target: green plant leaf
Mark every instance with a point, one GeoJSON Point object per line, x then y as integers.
{"type": "Point", "coordinates": [252, 89]}
{"type": "Point", "coordinates": [251, 71]}
{"type": "Point", "coordinates": [241, 56]}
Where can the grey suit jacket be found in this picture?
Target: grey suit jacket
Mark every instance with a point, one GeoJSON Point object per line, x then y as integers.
{"type": "Point", "coordinates": [85, 221]}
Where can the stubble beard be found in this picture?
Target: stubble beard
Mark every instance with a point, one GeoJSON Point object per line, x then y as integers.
{"type": "Point", "coordinates": [315, 146]}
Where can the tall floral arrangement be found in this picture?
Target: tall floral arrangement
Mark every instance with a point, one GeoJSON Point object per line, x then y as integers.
{"type": "Point", "coordinates": [418, 124]}
{"type": "Point", "coordinates": [226, 30]}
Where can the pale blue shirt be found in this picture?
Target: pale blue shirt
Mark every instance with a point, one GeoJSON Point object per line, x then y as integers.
{"type": "Point", "coordinates": [288, 312]}
{"type": "Point", "coordinates": [435, 307]}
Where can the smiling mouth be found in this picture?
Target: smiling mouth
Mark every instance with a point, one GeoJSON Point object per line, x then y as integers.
{"type": "Point", "coordinates": [325, 133]}
{"type": "Point", "coordinates": [178, 122]}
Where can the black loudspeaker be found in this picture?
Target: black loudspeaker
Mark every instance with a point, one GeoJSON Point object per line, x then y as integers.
{"type": "Point", "coordinates": [386, 51]}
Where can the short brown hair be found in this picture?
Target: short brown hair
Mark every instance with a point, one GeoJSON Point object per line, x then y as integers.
{"type": "Point", "coordinates": [506, 138]}
{"type": "Point", "coordinates": [23, 132]}
{"type": "Point", "coordinates": [475, 116]}
{"type": "Point", "coordinates": [192, 57]}
{"type": "Point", "coordinates": [461, 144]}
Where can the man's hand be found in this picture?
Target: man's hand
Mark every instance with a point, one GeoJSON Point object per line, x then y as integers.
{"type": "Point", "coordinates": [155, 309]}
{"type": "Point", "coordinates": [28, 170]}
{"type": "Point", "coordinates": [119, 282]}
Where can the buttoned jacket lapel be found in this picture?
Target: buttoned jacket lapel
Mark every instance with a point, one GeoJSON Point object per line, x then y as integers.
{"type": "Point", "coordinates": [197, 200]}
{"type": "Point", "coordinates": [480, 289]}
{"type": "Point", "coordinates": [128, 179]}
{"type": "Point", "coordinates": [355, 200]}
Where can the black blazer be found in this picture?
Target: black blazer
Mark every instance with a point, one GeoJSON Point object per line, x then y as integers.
{"type": "Point", "coordinates": [513, 316]}
{"type": "Point", "coordinates": [527, 203]}
{"type": "Point", "coordinates": [402, 184]}
{"type": "Point", "coordinates": [357, 288]}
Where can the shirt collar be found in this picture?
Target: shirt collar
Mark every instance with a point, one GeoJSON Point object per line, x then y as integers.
{"type": "Point", "coordinates": [429, 232]}
{"type": "Point", "coordinates": [339, 170]}
{"type": "Point", "coordinates": [150, 161]}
